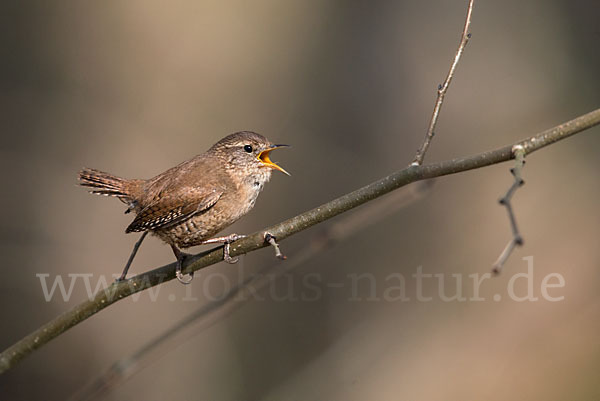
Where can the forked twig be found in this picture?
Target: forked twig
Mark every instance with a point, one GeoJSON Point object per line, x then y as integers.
{"type": "Point", "coordinates": [442, 89]}
{"type": "Point", "coordinates": [516, 240]}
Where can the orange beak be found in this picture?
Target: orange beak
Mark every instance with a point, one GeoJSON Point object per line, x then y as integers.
{"type": "Point", "coordinates": [266, 161]}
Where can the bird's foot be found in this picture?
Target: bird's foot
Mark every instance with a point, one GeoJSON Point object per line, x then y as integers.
{"type": "Point", "coordinates": [181, 256]}
{"type": "Point", "coordinates": [183, 279]}
{"type": "Point", "coordinates": [270, 239]}
{"type": "Point", "coordinates": [227, 240]}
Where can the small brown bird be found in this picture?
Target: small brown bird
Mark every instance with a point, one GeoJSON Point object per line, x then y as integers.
{"type": "Point", "coordinates": [190, 203]}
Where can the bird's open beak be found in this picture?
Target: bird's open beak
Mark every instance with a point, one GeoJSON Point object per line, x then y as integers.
{"type": "Point", "coordinates": [266, 161]}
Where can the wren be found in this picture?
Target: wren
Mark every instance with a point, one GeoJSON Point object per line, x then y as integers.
{"type": "Point", "coordinates": [190, 203]}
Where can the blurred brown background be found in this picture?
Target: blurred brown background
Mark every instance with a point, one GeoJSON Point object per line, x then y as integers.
{"type": "Point", "coordinates": [135, 87]}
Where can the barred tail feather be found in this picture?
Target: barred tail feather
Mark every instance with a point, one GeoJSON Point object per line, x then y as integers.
{"type": "Point", "coordinates": [104, 184]}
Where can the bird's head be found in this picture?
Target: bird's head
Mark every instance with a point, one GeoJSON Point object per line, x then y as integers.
{"type": "Point", "coordinates": [248, 153]}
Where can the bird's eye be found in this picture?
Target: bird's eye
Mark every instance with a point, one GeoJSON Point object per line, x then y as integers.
{"type": "Point", "coordinates": [248, 148]}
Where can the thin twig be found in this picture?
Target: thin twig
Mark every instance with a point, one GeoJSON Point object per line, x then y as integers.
{"type": "Point", "coordinates": [117, 291]}
{"type": "Point", "coordinates": [442, 89]}
{"type": "Point", "coordinates": [242, 294]}
{"type": "Point", "coordinates": [516, 240]}
{"type": "Point", "coordinates": [132, 256]}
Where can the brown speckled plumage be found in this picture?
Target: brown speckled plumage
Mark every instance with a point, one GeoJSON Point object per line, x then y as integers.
{"type": "Point", "coordinates": [195, 200]}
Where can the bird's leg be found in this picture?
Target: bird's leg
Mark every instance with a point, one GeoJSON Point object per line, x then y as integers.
{"type": "Point", "coordinates": [270, 239]}
{"type": "Point", "coordinates": [227, 242]}
{"type": "Point", "coordinates": [180, 258]}
{"type": "Point", "coordinates": [133, 253]}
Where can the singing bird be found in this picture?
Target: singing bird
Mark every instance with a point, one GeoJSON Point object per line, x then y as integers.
{"type": "Point", "coordinates": [190, 203]}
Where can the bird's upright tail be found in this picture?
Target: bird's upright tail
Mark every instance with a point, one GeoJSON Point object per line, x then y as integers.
{"type": "Point", "coordinates": [109, 185]}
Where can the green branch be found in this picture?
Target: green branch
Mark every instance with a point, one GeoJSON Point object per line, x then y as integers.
{"type": "Point", "coordinates": [120, 290]}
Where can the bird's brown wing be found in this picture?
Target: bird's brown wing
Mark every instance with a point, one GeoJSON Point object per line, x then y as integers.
{"type": "Point", "coordinates": [175, 208]}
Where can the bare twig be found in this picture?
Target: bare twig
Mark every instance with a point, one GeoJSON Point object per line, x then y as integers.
{"type": "Point", "coordinates": [117, 291]}
{"type": "Point", "coordinates": [442, 89]}
{"type": "Point", "coordinates": [132, 256]}
{"type": "Point", "coordinates": [241, 295]}
{"type": "Point", "coordinates": [516, 240]}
